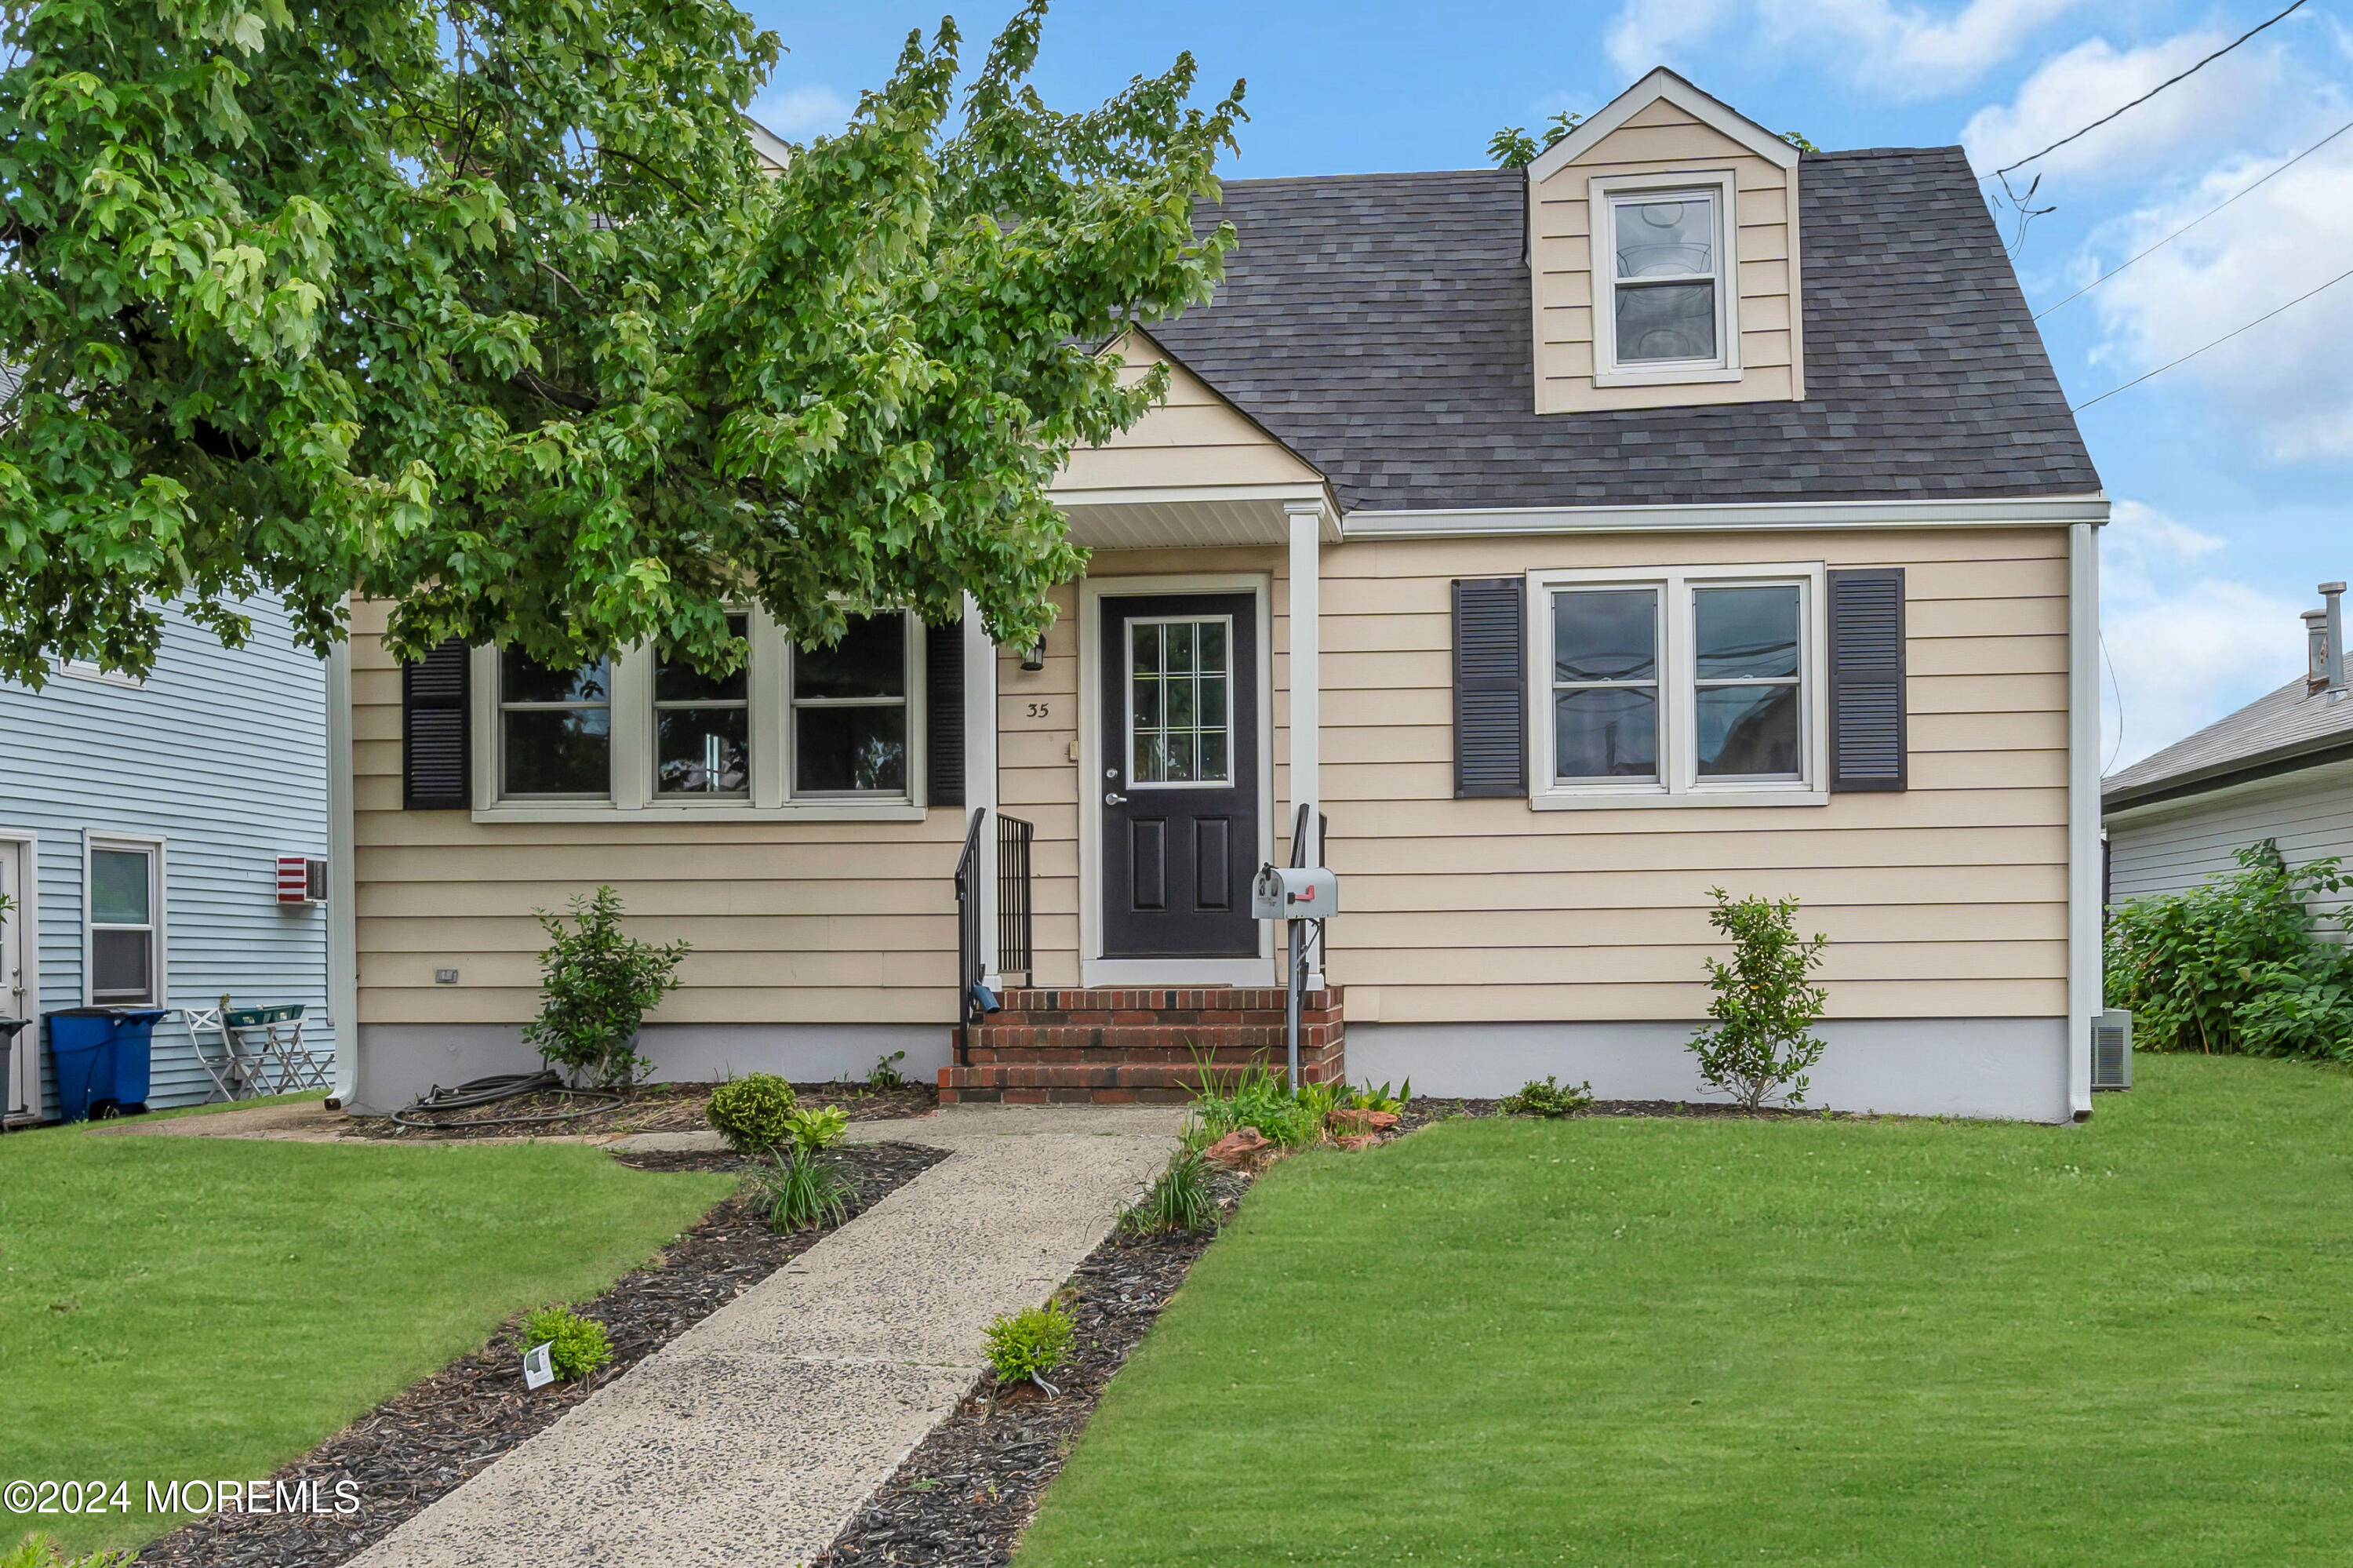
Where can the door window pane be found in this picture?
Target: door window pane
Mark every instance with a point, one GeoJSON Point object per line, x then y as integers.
{"type": "Point", "coordinates": [1606, 732]}
{"type": "Point", "coordinates": [1749, 633]}
{"type": "Point", "coordinates": [119, 888]}
{"type": "Point", "coordinates": [555, 727]}
{"type": "Point", "coordinates": [1179, 703]}
{"type": "Point", "coordinates": [1747, 731]}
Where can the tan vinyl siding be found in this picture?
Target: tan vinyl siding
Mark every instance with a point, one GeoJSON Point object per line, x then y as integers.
{"type": "Point", "coordinates": [1948, 899]}
{"type": "Point", "coordinates": [792, 922]}
{"type": "Point", "coordinates": [1194, 439]}
{"type": "Point", "coordinates": [1664, 139]}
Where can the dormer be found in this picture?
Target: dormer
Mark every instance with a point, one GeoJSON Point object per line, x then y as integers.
{"type": "Point", "coordinates": [1662, 255]}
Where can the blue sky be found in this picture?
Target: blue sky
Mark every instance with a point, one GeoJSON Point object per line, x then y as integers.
{"type": "Point", "coordinates": [2232, 475]}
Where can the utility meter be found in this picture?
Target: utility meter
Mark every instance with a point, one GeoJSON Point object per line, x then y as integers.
{"type": "Point", "coordinates": [1295, 893]}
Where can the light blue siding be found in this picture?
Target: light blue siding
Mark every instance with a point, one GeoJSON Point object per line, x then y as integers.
{"type": "Point", "coordinates": [222, 754]}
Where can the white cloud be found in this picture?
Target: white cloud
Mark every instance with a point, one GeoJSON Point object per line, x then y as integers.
{"type": "Point", "coordinates": [2287, 383]}
{"type": "Point", "coordinates": [800, 112]}
{"type": "Point", "coordinates": [1899, 50]}
{"type": "Point", "coordinates": [2070, 90]}
{"type": "Point", "coordinates": [2187, 646]}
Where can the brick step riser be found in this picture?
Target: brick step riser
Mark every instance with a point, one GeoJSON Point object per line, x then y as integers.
{"type": "Point", "coordinates": [1263, 999]}
{"type": "Point", "coordinates": [1130, 1084]}
{"type": "Point", "coordinates": [1231, 1038]}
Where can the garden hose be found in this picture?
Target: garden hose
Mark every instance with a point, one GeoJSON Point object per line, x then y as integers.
{"type": "Point", "coordinates": [491, 1090]}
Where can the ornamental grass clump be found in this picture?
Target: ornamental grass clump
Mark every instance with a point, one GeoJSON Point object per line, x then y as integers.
{"type": "Point", "coordinates": [807, 1191]}
{"type": "Point", "coordinates": [2236, 966]}
{"type": "Point", "coordinates": [1178, 1199]}
{"type": "Point", "coordinates": [753, 1114]}
{"type": "Point", "coordinates": [1029, 1343]}
{"type": "Point", "coordinates": [1260, 1097]}
{"type": "Point", "coordinates": [1765, 1007]}
{"type": "Point", "coordinates": [576, 1345]}
{"type": "Point", "coordinates": [596, 984]}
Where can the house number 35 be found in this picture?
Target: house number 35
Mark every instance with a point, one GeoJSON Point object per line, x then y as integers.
{"type": "Point", "coordinates": [1040, 710]}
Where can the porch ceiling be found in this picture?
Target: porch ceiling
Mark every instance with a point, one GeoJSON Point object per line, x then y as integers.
{"type": "Point", "coordinates": [1205, 518]}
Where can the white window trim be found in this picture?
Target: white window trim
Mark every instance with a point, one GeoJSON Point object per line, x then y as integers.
{"type": "Point", "coordinates": [1678, 783]}
{"type": "Point", "coordinates": [632, 796]}
{"type": "Point", "coordinates": [158, 909]}
{"type": "Point", "coordinates": [1723, 185]}
{"type": "Point", "coordinates": [91, 670]}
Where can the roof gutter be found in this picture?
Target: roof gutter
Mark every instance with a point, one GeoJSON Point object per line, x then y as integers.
{"type": "Point", "coordinates": [1958, 512]}
{"type": "Point", "coordinates": [2315, 752]}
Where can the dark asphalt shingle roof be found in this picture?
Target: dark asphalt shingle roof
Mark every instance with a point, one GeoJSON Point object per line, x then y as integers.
{"type": "Point", "coordinates": [2292, 726]}
{"type": "Point", "coordinates": [1379, 325]}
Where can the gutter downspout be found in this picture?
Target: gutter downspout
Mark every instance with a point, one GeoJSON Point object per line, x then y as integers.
{"type": "Point", "coordinates": [343, 880]}
{"type": "Point", "coordinates": [2083, 933]}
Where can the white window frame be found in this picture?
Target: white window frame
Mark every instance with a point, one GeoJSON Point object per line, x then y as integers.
{"type": "Point", "coordinates": [1127, 708]}
{"type": "Point", "coordinates": [158, 882]}
{"type": "Point", "coordinates": [1723, 185]}
{"type": "Point", "coordinates": [632, 796]}
{"type": "Point", "coordinates": [910, 654]}
{"type": "Point", "coordinates": [499, 706]}
{"type": "Point", "coordinates": [1678, 783]}
{"type": "Point", "coordinates": [97, 674]}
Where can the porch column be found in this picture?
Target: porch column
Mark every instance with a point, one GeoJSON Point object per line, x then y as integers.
{"type": "Point", "coordinates": [1306, 521]}
{"type": "Point", "coordinates": [980, 772]}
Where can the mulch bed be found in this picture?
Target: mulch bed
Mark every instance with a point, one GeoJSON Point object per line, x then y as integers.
{"type": "Point", "coordinates": [650, 1107]}
{"type": "Point", "coordinates": [967, 1493]}
{"type": "Point", "coordinates": [427, 1439]}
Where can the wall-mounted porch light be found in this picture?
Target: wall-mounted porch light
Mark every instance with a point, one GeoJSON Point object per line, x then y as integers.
{"type": "Point", "coordinates": [1035, 658]}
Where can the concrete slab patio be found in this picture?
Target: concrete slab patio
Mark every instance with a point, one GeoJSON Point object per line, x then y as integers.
{"type": "Point", "coordinates": [756, 1436]}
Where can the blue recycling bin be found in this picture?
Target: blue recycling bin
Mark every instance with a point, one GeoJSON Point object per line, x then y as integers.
{"type": "Point", "coordinates": [103, 1057]}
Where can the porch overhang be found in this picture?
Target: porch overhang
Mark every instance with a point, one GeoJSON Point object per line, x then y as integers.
{"type": "Point", "coordinates": [1193, 516]}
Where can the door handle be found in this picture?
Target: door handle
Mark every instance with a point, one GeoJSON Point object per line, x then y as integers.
{"type": "Point", "coordinates": [1114, 798]}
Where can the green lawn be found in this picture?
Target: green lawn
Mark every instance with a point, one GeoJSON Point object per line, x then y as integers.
{"type": "Point", "coordinates": [182, 1308]}
{"type": "Point", "coordinates": [1712, 1343]}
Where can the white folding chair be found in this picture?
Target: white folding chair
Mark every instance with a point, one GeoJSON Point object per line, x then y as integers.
{"type": "Point", "coordinates": [271, 1038]}
{"type": "Point", "coordinates": [235, 1074]}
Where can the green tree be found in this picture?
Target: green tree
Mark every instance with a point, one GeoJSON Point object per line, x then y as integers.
{"type": "Point", "coordinates": [1761, 1044]}
{"type": "Point", "coordinates": [488, 307]}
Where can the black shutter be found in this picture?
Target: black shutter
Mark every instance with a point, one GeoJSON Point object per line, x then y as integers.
{"type": "Point", "coordinates": [1491, 687]}
{"type": "Point", "coordinates": [1867, 720]}
{"type": "Point", "coordinates": [944, 715]}
{"type": "Point", "coordinates": [435, 757]}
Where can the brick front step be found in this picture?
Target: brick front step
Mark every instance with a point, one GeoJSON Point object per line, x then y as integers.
{"type": "Point", "coordinates": [1146, 1044]}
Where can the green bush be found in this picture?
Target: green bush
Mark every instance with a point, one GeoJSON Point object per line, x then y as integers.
{"type": "Point", "coordinates": [1383, 1099]}
{"type": "Point", "coordinates": [805, 1193]}
{"type": "Point", "coordinates": [2236, 966]}
{"type": "Point", "coordinates": [596, 982]}
{"type": "Point", "coordinates": [1178, 1199]}
{"type": "Point", "coordinates": [1765, 1008]}
{"type": "Point", "coordinates": [1029, 1343]}
{"type": "Point", "coordinates": [1547, 1098]}
{"type": "Point", "coordinates": [753, 1113]}
{"type": "Point", "coordinates": [1260, 1097]}
{"type": "Point", "coordinates": [815, 1131]}
{"type": "Point", "coordinates": [35, 1550]}
{"type": "Point", "coordinates": [577, 1345]}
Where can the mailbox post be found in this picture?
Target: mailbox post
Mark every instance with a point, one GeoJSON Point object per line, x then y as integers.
{"type": "Point", "coordinates": [1293, 894]}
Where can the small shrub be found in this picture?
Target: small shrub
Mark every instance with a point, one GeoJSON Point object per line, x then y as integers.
{"type": "Point", "coordinates": [577, 1345]}
{"type": "Point", "coordinates": [36, 1550]}
{"type": "Point", "coordinates": [1031, 1342]}
{"type": "Point", "coordinates": [2235, 966]}
{"type": "Point", "coordinates": [815, 1131]}
{"type": "Point", "coordinates": [1178, 1199]}
{"type": "Point", "coordinates": [1260, 1097]}
{"type": "Point", "coordinates": [596, 982]}
{"type": "Point", "coordinates": [805, 1194]}
{"type": "Point", "coordinates": [1764, 1006]}
{"type": "Point", "coordinates": [885, 1074]}
{"type": "Point", "coordinates": [753, 1113]}
{"type": "Point", "coordinates": [1547, 1098]}
{"type": "Point", "coordinates": [1362, 1097]}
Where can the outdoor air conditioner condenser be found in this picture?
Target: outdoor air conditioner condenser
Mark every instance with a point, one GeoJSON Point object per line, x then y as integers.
{"type": "Point", "coordinates": [2111, 1051]}
{"type": "Point", "coordinates": [302, 879]}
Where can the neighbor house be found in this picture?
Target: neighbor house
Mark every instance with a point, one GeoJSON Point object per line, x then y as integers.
{"type": "Point", "coordinates": [2279, 769]}
{"type": "Point", "coordinates": [1552, 545]}
{"type": "Point", "coordinates": [159, 837]}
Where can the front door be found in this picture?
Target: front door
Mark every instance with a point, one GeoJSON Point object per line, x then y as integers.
{"type": "Point", "coordinates": [20, 1086]}
{"type": "Point", "coordinates": [1179, 778]}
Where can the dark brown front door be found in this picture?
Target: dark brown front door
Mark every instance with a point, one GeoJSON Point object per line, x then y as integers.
{"type": "Point", "coordinates": [1178, 784]}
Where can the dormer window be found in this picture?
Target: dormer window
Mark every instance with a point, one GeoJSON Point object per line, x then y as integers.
{"type": "Point", "coordinates": [1667, 278]}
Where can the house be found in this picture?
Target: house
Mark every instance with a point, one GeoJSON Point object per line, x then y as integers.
{"type": "Point", "coordinates": [1549, 545]}
{"type": "Point", "coordinates": [2281, 768]}
{"type": "Point", "coordinates": [142, 828]}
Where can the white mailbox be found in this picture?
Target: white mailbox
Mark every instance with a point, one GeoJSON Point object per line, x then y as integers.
{"type": "Point", "coordinates": [1295, 893]}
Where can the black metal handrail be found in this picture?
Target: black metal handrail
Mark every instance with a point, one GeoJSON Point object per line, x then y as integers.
{"type": "Point", "coordinates": [1014, 924]}
{"type": "Point", "coordinates": [969, 959]}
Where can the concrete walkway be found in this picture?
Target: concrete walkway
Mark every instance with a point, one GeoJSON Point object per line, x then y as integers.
{"type": "Point", "coordinates": [756, 1436]}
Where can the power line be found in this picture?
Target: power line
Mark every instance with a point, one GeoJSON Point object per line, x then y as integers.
{"type": "Point", "coordinates": [2216, 344]}
{"type": "Point", "coordinates": [2201, 217]}
{"type": "Point", "coordinates": [2152, 92]}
